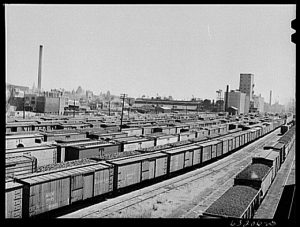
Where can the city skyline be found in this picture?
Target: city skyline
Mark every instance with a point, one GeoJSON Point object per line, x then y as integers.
{"type": "Point", "coordinates": [179, 51]}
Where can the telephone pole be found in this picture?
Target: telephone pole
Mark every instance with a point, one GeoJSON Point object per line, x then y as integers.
{"type": "Point", "coordinates": [123, 96]}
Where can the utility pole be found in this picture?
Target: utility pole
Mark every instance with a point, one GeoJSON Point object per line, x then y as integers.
{"type": "Point", "coordinates": [123, 96]}
{"type": "Point", "coordinates": [74, 109]}
{"type": "Point", "coordinates": [24, 106]}
{"type": "Point", "coordinates": [109, 107]}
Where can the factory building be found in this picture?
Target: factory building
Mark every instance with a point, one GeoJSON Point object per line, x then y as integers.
{"type": "Point", "coordinates": [170, 104]}
{"type": "Point", "coordinates": [237, 99]}
{"type": "Point", "coordinates": [258, 103]}
{"type": "Point", "coordinates": [247, 84]}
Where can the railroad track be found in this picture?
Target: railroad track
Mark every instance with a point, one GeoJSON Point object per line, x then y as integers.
{"type": "Point", "coordinates": [182, 180]}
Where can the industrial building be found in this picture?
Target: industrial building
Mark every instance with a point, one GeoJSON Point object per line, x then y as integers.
{"type": "Point", "coordinates": [247, 84]}
{"type": "Point", "coordinates": [237, 99]}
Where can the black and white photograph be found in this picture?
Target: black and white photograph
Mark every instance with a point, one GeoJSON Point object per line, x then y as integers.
{"type": "Point", "coordinates": [147, 111]}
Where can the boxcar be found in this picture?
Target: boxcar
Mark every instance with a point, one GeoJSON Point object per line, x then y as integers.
{"type": "Point", "coordinates": [181, 157]}
{"type": "Point", "coordinates": [133, 170]}
{"type": "Point", "coordinates": [45, 154]}
{"type": "Point", "coordinates": [258, 176]}
{"type": "Point", "coordinates": [62, 134]}
{"type": "Point", "coordinates": [91, 149]}
{"type": "Point", "coordinates": [13, 199]}
{"type": "Point", "coordinates": [187, 135]}
{"type": "Point", "coordinates": [107, 136]}
{"type": "Point", "coordinates": [134, 143]}
{"type": "Point", "coordinates": [209, 150]}
{"type": "Point", "coordinates": [163, 139]}
{"type": "Point", "coordinates": [50, 190]}
{"type": "Point", "coordinates": [237, 202]}
{"type": "Point", "coordinates": [18, 165]}
{"type": "Point", "coordinates": [23, 140]}
{"type": "Point", "coordinates": [133, 131]}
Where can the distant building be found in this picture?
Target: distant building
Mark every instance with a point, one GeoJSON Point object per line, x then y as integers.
{"type": "Point", "coordinates": [247, 84]}
{"type": "Point", "coordinates": [50, 105]}
{"type": "Point", "coordinates": [177, 105]}
{"type": "Point", "coordinates": [237, 99]}
{"type": "Point", "coordinates": [89, 96]}
{"type": "Point", "coordinates": [258, 103]}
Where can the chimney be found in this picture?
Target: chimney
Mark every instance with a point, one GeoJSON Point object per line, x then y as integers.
{"type": "Point", "coordinates": [40, 68]}
{"type": "Point", "coordinates": [270, 98]}
{"type": "Point", "coordinates": [226, 98]}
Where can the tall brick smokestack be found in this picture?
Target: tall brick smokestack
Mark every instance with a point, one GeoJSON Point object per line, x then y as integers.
{"type": "Point", "coordinates": [226, 98]}
{"type": "Point", "coordinates": [40, 68]}
{"type": "Point", "coordinates": [270, 98]}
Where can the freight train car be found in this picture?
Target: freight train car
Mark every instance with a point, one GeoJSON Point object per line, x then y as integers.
{"type": "Point", "coordinates": [50, 190]}
{"type": "Point", "coordinates": [139, 168]}
{"type": "Point", "coordinates": [239, 201]}
{"type": "Point", "coordinates": [19, 165]}
{"type": "Point", "coordinates": [62, 135]}
{"type": "Point", "coordinates": [91, 149]}
{"type": "Point", "coordinates": [278, 147]}
{"type": "Point", "coordinates": [45, 154]}
{"type": "Point", "coordinates": [181, 157]}
{"type": "Point", "coordinates": [23, 140]}
{"type": "Point", "coordinates": [13, 199]}
{"type": "Point", "coordinates": [258, 176]}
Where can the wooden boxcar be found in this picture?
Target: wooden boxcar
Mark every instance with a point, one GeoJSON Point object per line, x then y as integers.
{"type": "Point", "coordinates": [91, 149]}
{"type": "Point", "coordinates": [132, 143]}
{"type": "Point", "coordinates": [133, 131]}
{"type": "Point", "coordinates": [181, 157]}
{"type": "Point", "coordinates": [45, 154]}
{"type": "Point", "coordinates": [50, 190]}
{"type": "Point", "coordinates": [62, 135]}
{"type": "Point", "coordinates": [133, 170]}
{"type": "Point", "coordinates": [13, 199]}
{"type": "Point", "coordinates": [186, 135]}
{"type": "Point", "coordinates": [19, 165]}
{"type": "Point", "coordinates": [209, 149]}
{"type": "Point", "coordinates": [23, 140]}
{"type": "Point", "coordinates": [161, 139]}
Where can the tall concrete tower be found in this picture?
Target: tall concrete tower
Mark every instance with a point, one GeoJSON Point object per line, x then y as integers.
{"type": "Point", "coordinates": [270, 98]}
{"type": "Point", "coordinates": [40, 68]}
{"type": "Point", "coordinates": [247, 84]}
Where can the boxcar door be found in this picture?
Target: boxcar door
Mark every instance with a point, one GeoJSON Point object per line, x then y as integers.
{"type": "Point", "coordinates": [88, 185]}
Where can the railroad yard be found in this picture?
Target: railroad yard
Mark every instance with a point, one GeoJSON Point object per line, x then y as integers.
{"type": "Point", "coordinates": [157, 166]}
{"type": "Point", "coordinates": [184, 196]}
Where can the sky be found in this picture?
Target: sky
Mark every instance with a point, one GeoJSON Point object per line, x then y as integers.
{"type": "Point", "coordinates": [182, 51]}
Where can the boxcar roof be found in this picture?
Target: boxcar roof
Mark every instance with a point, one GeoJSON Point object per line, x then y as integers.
{"type": "Point", "coordinates": [233, 202]}
{"type": "Point", "coordinates": [180, 149]}
{"type": "Point", "coordinates": [21, 136]}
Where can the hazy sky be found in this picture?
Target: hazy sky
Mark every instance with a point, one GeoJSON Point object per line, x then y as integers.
{"type": "Point", "coordinates": [178, 50]}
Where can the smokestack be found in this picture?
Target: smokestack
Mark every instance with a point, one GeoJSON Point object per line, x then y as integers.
{"type": "Point", "coordinates": [226, 98]}
{"type": "Point", "coordinates": [270, 98]}
{"type": "Point", "coordinates": [40, 68]}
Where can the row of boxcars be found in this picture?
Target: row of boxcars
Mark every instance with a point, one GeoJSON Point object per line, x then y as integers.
{"type": "Point", "coordinates": [252, 183]}
{"type": "Point", "coordinates": [37, 193]}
